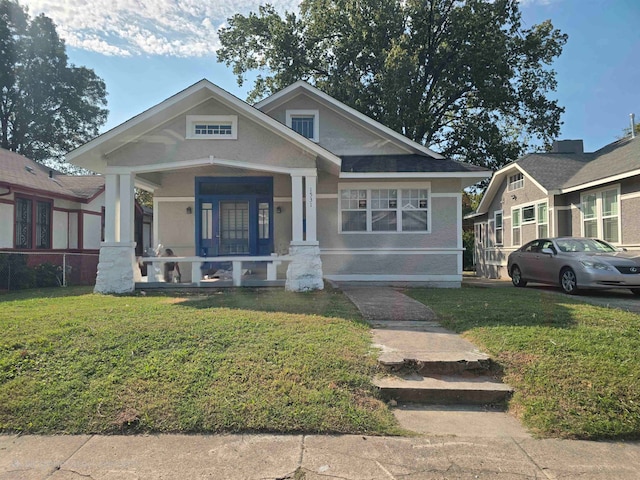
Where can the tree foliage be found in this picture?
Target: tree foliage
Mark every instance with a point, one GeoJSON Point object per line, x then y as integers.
{"type": "Point", "coordinates": [47, 106]}
{"type": "Point", "coordinates": [465, 77]}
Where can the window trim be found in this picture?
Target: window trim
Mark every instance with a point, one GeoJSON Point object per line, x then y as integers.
{"type": "Point", "coordinates": [515, 227]}
{"type": "Point", "coordinates": [538, 222]}
{"type": "Point", "coordinates": [192, 120]}
{"type": "Point", "coordinates": [34, 221]}
{"type": "Point", "coordinates": [290, 114]}
{"type": "Point", "coordinates": [516, 184]}
{"type": "Point", "coordinates": [599, 216]}
{"type": "Point", "coordinates": [499, 227]}
{"type": "Point", "coordinates": [531, 220]}
{"type": "Point", "coordinates": [368, 187]}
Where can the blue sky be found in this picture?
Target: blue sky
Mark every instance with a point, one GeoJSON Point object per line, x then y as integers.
{"type": "Point", "coordinates": [148, 50]}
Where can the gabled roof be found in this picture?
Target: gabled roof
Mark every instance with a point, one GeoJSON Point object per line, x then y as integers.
{"type": "Point", "coordinates": [559, 173]}
{"type": "Point", "coordinates": [301, 87]}
{"type": "Point", "coordinates": [23, 174]}
{"type": "Point", "coordinates": [552, 170]}
{"type": "Point", "coordinates": [92, 154]}
{"type": "Point", "coordinates": [616, 160]}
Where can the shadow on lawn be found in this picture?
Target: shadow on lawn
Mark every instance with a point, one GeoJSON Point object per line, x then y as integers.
{"type": "Point", "coordinates": [327, 303]}
{"type": "Point", "coordinates": [476, 306]}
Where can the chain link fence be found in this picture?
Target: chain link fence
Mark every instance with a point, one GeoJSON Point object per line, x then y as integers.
{"type": "Point", "coordinates": [20, 270]}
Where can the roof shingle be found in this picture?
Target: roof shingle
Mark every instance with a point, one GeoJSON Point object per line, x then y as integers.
{"type": "Point", "coordinates": [19, 171]}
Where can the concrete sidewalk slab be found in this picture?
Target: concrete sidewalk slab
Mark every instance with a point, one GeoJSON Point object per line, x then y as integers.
{"type": "Point", "coordinates": [478, 421]}
{"type": "Point", "coordinates": [313, 457]}
{"type": "Point", "coordinates": [185, 457]}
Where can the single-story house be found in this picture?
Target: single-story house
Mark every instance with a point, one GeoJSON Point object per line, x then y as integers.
{"type": "Point", "coordinates": [565, 192]}
{"type": "Point", "coordinates": [299, 179]}
{"type": "Point", "coordinates": [46, 214]}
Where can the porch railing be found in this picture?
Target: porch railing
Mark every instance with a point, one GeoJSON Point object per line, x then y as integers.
{"type": "Point", "coordinates": [272, 263]}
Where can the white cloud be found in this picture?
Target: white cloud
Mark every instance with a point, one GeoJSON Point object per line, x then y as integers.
{"type": "Point", "coordinates": [183, 28]}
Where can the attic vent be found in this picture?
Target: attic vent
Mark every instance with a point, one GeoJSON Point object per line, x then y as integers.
{"type": "Point", "coordinates": [29, 169]}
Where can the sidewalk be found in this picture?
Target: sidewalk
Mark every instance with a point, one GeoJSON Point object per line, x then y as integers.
{"type": "Point", "coordinates": [450, 443]}
{"type": "Point", "coordinates": [312, 457]}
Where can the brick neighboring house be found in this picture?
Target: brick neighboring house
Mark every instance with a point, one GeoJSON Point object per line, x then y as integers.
{"type": "Point", "coordinates": [45, 214]}
{"type": "Point", "coordinates": [565, 192]}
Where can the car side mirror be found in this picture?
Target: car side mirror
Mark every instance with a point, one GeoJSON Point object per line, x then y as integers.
{"type": "Point", "coordinates": [621, 249]}
{"type": "Point", "coordinates": [548, 251]}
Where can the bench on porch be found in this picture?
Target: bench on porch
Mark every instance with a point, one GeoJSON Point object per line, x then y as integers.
{"type": "Point", "coordinates": [272, 262]}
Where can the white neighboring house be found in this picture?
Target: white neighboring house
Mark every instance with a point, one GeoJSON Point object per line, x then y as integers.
{"type": "Point", "coordinates": [299, 175]}
{"type": "Point", "coordinates": [565, 192]}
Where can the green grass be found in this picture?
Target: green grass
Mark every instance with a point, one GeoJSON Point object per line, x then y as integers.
{"type": "Point", "coordinates": [575, 367]}
{"type": "Point", "coordinates": [233, 361]}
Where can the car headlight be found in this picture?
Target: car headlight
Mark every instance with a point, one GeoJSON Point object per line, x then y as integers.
{"type": "Point", "coordinates": [595, 265]}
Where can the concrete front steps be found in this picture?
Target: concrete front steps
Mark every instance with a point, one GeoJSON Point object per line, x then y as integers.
{"type": "Point", "coordinates": [444, 389]}
{"type": "Point", "coordinates": [423, 363]}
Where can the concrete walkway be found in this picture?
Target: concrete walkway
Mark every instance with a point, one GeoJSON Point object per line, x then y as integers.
{"type": "Point", "coordinates": [409, 337]}
{"type": "Point", "coordinates": [453, 444]}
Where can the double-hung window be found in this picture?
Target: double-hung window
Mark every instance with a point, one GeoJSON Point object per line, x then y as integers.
{"type": "Point", "coordinates": [600, 215]}
{"type": "Point", "coordinates": [497, 221]}
{"type": "Point", "coordinates": [515, 227]}
{"type": "Point", "coordinates": [543, 220]}
{"type": "Point", "coordinates": [304, 122]}
{"type": "Point", "coordinates": [384, 210]}
{"type": "Point", "coordinates": [32, 223]}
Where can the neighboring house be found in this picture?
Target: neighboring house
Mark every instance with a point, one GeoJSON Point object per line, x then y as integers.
{"type": "Point", "coordinates": [45, 214]}
{"type": "Point", "coordinates": [299, 174]}
{"type": "Point", "coordinates": [562, 193]}
{"type": "Point", "coordinates": [42, 209]}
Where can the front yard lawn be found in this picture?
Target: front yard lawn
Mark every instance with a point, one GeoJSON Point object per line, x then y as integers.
{"type": "Point", "coordinates": [575, 367]}
{"type": "Point", "coordinates": [241, 360]}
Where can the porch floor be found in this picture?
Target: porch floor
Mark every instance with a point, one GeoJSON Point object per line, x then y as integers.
{"type": "Point", "coordinates": [211, 284]}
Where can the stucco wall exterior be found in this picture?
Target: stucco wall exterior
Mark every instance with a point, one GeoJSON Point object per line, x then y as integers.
{"type": "Point", "coordinates": [6, 220]}
{"type": "Point", "coordinates": [338, 134]}
{"type": "Point", "coordinates": [168, 143]}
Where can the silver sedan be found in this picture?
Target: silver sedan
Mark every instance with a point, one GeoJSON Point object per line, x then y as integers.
{"type": "Point", "coordinates": [574, 263]}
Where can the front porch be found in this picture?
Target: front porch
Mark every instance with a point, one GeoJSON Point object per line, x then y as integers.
{"type": "Point", "coordinates": [226, 219]}
{"type": "Point", "coordinates": [229, 271]}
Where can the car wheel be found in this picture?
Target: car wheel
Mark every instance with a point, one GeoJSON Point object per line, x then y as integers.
{"type": "Point", "coordinates": [635, 291]}
{"type": "Point", "coordinates": [568, 281]}
{"type": "Point", "coordinates": [516, 277]}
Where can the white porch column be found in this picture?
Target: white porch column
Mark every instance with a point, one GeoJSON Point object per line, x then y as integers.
{"type": "Point", "coordinates": [296, 207]}
{"type": "Point", "coordinates": [117, 267]}
{"type": "Point", "coordinates": [127, 208]}
{"type": "Point", "coordinates": [304, 272]}
{"type": "Point", "coordinates": [310, 183]}
{"type": "Point", "coordinates": [112, 208]}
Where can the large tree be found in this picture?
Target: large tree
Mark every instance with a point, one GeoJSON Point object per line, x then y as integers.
{"type": "Point", "coordinates": [47, 106]}
{"type": "Point", "coordinates": [464, 77]}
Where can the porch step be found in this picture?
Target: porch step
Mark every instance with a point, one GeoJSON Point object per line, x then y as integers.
{"type": "Point", "coordinates": [440, 364]}
{"type": "Point", "coordinates": [443, 389]}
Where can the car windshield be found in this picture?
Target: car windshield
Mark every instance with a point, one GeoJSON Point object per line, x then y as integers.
{"type": "Point", "coordinates": [583, 245]}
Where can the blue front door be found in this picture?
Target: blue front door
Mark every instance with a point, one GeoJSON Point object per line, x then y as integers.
{"type": "Point", "coordinates": [234, 216]}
